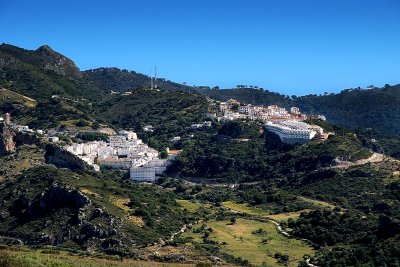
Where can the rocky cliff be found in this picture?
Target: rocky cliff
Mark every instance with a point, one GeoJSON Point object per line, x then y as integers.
{"type": "Point", "coordinates": [63, 159]}
{"type": "Point", "coordinates": [7, 143]}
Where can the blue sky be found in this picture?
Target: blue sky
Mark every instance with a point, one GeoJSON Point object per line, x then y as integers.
{"type": "Point", "coordinates": [289, 46]}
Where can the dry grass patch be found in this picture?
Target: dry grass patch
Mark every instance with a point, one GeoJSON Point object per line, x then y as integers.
{"type": "Point", "coordinates": [91, 193]}
{"type": "Point", "coordinates": [190, 206]}
{"type": "Point", "coordinates": [316, 202]}
{"type": "Point", "coordinates": [286, 216]}
{"type": "Point", "coordinates": [244, 208]}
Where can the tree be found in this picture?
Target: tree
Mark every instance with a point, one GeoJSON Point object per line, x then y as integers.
{"type": "Point", "coordinates": [164, 154]}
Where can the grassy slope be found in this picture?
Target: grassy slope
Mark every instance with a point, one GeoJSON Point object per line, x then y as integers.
{"type": "Point", "coordinates": [20, 257]}
{"type": "Point", "coordinates": [239, 239]}
{"type": "Point", "coordinates": [13, 97]}
{"type": "Point", "coordinates": [241, 242]}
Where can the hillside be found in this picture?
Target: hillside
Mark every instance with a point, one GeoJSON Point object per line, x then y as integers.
{"type": "Point", "coordinates": [247, 96]}
{"type": "Point", "coordinates": [42, 73]}
{"type": "Point", "coordinates": [117, 80]}
{"type": "Point", "coordinates": [8, 97]}
{"type": "Point", "coordinates": [81, 210]}
{"type": "Point", "coordinates": [170, 113]}
{"type": "Point", "coordinates": [251, 156]}
{"type": "Point", "coordinates": [377, 108]}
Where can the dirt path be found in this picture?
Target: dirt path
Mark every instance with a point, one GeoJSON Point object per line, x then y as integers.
{"type": "Point", "coordinates": [374, 158]}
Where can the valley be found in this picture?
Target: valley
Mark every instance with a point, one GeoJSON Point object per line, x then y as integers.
{"type": "Point", "coordinates": [233, 193]}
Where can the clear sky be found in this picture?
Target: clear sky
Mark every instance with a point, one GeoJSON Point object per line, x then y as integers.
{"type": "Point", "coordinates": [289, 46]}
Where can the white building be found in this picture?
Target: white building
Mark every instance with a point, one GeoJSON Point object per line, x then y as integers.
{"type": "Point", "coordinates": [122, 151]}
{"type": "Point", "coordinates": [293, 132]}
{"type": "Point", "coordinates": [148, 128]}
{"type": "Point", "coordinates": [143, 174]}
{"type": "Point", "coordinates": [295, 111]}
{"type": "Point", "coordinates": [117, 140]}
{"type": "Point", "coordinates": [129, 135]}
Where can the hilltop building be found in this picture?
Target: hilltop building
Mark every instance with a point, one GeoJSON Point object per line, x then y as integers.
{"type": "Point", "coordinates": [294, 132]}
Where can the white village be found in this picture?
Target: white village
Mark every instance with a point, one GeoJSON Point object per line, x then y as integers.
{"type": "Point", "coordinates": [126, 151]}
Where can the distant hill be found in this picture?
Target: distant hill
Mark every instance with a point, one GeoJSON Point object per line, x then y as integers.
{"type": "Point", "coordinates": [247, 96]}
{"type": "Point", "coordinates": [42, 73]}
{"type": "Point", "coordinates": [377, 108]}
{"type": "Point", "coordinates": [117, 80]}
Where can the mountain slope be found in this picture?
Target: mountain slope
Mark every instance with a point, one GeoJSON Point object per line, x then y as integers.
{"type": "Point", "coordinates": [170, 113]}
{"type": "Point", "coordinates": [42, 73]}
{"type": "Point", "coordinates": [377, 108]}
{"type": "Point", "coordinates": [117, 80]}
{"type": "Point", "coordinates": [247, 96]}
{"type": "Point", "coordinates": [46, 205]}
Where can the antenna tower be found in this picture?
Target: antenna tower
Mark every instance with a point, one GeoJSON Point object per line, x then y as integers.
{"type": "Point", "coordinates": [151, 80]}
{"type": "Point", "coordinates": [155, 77]}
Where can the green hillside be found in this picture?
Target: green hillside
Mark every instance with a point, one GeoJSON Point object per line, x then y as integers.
{"type": "Point", "coordinates": [170, 113]}
{"type": "Point", "coordinates": [377, 108]}
{"type": "Point", "coordinates": [42, 73]}
{"type": "Point", "coordinates": [117, 80]}
{"type": "Point", "coordinates": [247, 96]}
{"type": "Point", "coordinates": [13, 98]}
{"type": "Point", "coordinates": [219, 157]}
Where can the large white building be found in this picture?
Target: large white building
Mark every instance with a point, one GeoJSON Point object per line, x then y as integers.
{"type": "Point", "coordinates": [150, 171]}
{"type": "Point", "coordinates": [143, 174]}
{"type": "Point", "coordinates": [293, 132]}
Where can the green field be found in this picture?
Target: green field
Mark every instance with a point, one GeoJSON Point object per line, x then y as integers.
{"type": "Point", "coordinates": [240, 239]}
{"type": "Point", "coordinates": [241, 242]}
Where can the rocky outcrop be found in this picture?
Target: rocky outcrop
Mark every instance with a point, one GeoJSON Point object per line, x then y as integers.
{"type": "Point", "coordinates": [56, 197]}
{"type": "Point", "coordinates": [59, 196]}
{"type": "Point", "coordinates": [57, 62]}
{"type": "Point", "coordinates": [63, 159]}
{"type": "Point", "coordinates": [7, 143]}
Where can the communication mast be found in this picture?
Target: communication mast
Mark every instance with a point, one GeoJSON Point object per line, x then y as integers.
{"type": "Point", "coordinates": [151, 82]}
{"type": "Point", "coordinates": [155, 77]}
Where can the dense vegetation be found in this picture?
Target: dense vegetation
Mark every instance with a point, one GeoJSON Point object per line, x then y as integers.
{"type": "Point", "coordinates": [102, 211]}
{"type": "Point", "coordinates": [42, 73]}
{"type": "Point", "coordinates": [376, 108]}
{"type": "Point", "coordinates": [170, 113]}
{"type": "Point", "coordinates": [114, 79]}
{"type": "Point", "coordinates": [252, 156]}
{"type": "Point", "coordinates": [248, 96]}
